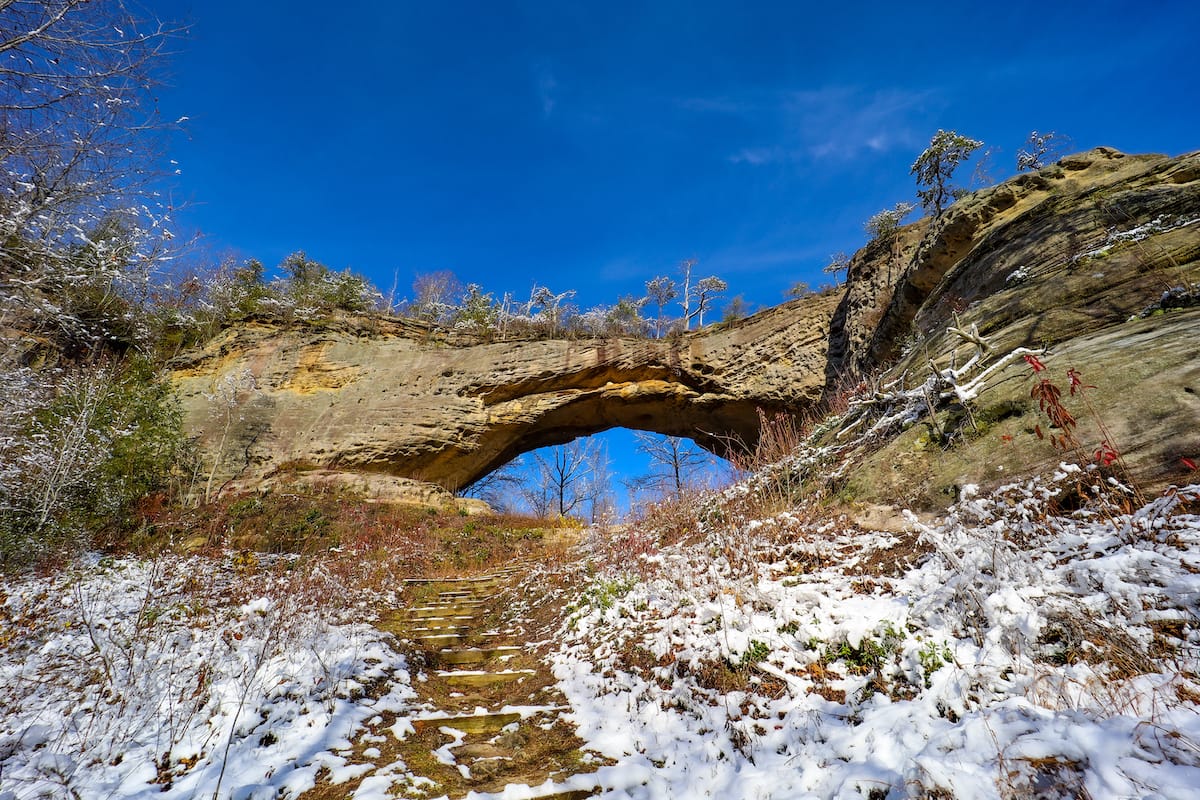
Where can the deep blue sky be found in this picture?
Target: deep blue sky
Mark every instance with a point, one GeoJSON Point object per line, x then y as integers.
{"type": "Point", "coordinates": [595, 145]}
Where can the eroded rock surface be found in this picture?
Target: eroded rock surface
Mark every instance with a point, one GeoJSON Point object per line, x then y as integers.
{"type": "Point", "coordinates": [1061, 258]}
{"type": "Point", "coordinates": [376, 397]}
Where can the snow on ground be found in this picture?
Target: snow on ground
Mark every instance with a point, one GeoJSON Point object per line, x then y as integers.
{"type": "Point", "coordinates": [183, 677]}
{"type": "Point", "coordinates": [1013, 648]}
{"type": "Point", "coordinates": [1011, 652]}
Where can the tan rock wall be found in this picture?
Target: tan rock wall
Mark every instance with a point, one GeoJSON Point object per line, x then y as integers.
{"type": "Point", "coordinates": [1039, 260]}
{"type": "Point", "coordinates": [352, 398]}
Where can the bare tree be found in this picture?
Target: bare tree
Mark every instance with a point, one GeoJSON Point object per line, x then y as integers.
{"type": "Point", "coordinates": [560, 480]}
{"type": "Point", "coordinates": [698, 297]}
{"type": "Point", "coordinates": [598, 487]}
{"type": "Point", "coordinates": [839, 262]}
{"type": "Point", "coordinates": [706, 291]}
{"type": "Point", "coordinates": [737, 308]}
{"type": "Point", "coordinates": [79, 154]}
{"type": "Point", "coordinates": [685, 297]}
{"type": "Point", "coordinates": [1040, 149]}
{"type": "Point", "coordinates": [498, 487]}
{"type": "Point", "coordinates": [434, 295]}
{"type": "Point", "coordinates": [548, 310]}
{"type": "Point", "coordinates": [660, 291]}
{"type": "Point", "coordinates": [673, 461]}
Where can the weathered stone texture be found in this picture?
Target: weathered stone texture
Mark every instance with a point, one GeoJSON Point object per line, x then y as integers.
{"type": "Point", "coordinates": [354, 398]}
{"type": "Point", "coordinates": [1044, 259]}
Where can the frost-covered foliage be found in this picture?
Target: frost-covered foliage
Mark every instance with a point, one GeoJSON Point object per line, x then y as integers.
{"type": "Point", "coordinates": [936, 165]}
{"type": "Point", "coordinates": [1006, 649]}
{"type": "Point", "coordinates": [183, 678]}
{"type": "Point", "coordinates": [1040, 149]}
{"type": "Point", "coordinates": [82, 228]}
{"type": "Point", "coordinates": [882, 227]}
{"type": "Point", "coordinates": [305, 289]}
{"type": "Point", "coordinates": [441, 300]}
{"type": "Point", "coordinates": [79, 446]}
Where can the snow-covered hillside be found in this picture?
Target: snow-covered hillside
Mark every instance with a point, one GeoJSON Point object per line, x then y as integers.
{"type": "Point", "coordinates": [182, 678]}
{"type": "Point", "coordinates": [1007, 650]}
{"type": "Point", "coordinates": [1018, 646]}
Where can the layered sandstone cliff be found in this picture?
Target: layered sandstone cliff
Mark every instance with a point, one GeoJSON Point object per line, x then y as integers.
{"type": "Point", "coordinates": [1061, 258]}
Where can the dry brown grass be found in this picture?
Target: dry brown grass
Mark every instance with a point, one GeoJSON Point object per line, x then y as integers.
{"type": "Point", "coordinates": [375, 541]}
{"type": "Point", "coordinates": [779, 436]}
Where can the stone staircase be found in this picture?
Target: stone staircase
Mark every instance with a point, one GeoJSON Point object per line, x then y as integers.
{"type": "Point", "coordinates": [487, 715]}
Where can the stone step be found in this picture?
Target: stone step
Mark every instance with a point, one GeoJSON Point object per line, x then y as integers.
{"type": "Point", "coordinates": [446, 610]}
{"type": "Point", "coordinates": [474, 655]}
{"type": "Point", "coordinates": [461, 630]}
{"type": "Point", "coordinates": [491, 577]}
{"type": "Point", "coordinates": [449, 600]}
{"type": "Point", "coordinates": [480, 678]}
{"type": "Point", "coordinates": [468, 723]}
{"type": "Point", "coordinates": [451, 639]}
{"type": "Point", "coordinates": [439, 640]}
{"type": "Point", "coordinates": [444, 622]}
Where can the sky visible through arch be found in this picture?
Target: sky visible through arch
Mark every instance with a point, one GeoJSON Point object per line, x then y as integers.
{"type": "Point", "coordinates": [592, 146]}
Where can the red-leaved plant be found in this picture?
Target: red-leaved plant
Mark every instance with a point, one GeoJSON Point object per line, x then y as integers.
{"type": "Point", "coordinates": [1049, 397]}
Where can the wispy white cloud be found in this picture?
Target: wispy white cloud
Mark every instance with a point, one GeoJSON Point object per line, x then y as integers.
{"type": "Point", "coordinates": [830, 123]}
{"type": "Point", "coordinates": [843, 123]}
{"type": "Point", "coordinates": [757, 156]}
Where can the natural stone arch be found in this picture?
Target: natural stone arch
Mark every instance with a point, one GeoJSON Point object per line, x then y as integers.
{"type": "Point", "coordinates": [384, 400]}
{"type": "Point", "coordinates": [657, 405]}
{"type": "Point", "coordinates": [389, 398]}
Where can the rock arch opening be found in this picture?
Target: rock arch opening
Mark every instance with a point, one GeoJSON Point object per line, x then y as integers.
{"type": "Point", "coordinates": [380, 404]}
{"type": "Point", "coordinates": [601, 477]}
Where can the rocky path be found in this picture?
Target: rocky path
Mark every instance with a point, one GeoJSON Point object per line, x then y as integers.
{"type": "Point", "coordinates": [487, 719]}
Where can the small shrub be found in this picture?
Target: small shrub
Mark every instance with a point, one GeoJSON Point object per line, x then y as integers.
{"type": "Point", "coordinates": [603, 594]}
{"type": "Point", "coordinates": [884, 225]}
{"type": "Point", "coordinates": [870, 655]}
{"type": "Point", "coordinates": [756, 652]}
{"type": "Point", "coordinates": [80, 450]}
{"type": "Point", "coordinates": [933, 657]}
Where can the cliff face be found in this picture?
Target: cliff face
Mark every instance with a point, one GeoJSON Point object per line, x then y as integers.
{"type": "Point", "coordinates": [1061, 258]}
{"type": "Point", "coordinates": [1096, 261]}
{"type": "Point", "coordinates": [386, 399]}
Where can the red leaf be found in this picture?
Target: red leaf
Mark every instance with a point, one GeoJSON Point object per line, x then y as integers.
{"type": "Point", "coordinates": [1187, 462]}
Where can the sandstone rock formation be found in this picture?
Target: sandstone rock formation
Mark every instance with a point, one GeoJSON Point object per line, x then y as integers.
{"type": "Point", "coordinates": [1061, 258]}
{"type": "Point", "coordinates": [1096, 260]}
{"type": "Point", "coordinates": [387, 398]}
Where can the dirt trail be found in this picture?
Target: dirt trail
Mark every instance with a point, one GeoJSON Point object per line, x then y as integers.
{"type": "Point", "coordinates": [487, 713]}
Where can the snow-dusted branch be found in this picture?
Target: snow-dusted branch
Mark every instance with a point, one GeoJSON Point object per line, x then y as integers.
{"type": "Point", "coordinates": [895, 406]}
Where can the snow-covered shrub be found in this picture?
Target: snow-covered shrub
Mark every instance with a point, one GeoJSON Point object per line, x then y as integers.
{"type": "Point", "coordinates": [79, 447]}
{"type": "Point", "coordinates": [183, 678]}
{"type": "Point", "coordinates": [882, 227]}
{"type": "Point", "coordinates": [306, 289]}
{"type": "Point", "coordinates": [309, 288]}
